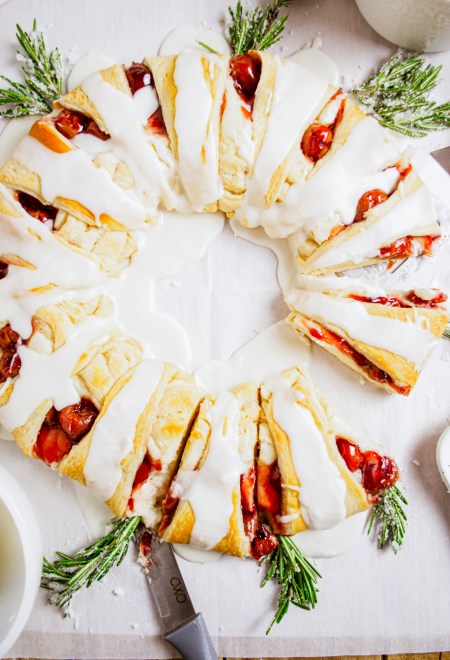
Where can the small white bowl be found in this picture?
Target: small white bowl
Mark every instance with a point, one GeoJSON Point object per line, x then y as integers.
{"type": "Point", "coordinates": [20, 560]}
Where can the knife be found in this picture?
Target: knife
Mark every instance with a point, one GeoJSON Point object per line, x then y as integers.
{"type": "Point", "coordinates": [184, 628]}
{"type": "Point", "coordinates": [440, 157]}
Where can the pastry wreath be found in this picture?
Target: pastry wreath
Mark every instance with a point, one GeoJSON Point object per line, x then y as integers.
{"type": "Point", "coordinates": [267, 143]}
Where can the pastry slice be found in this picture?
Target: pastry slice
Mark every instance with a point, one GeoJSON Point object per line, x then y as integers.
{"type": "Point", "coordinates": [385, 336]}
{"type": "Point", "coordinates": [296, 98]}
{"type": "Point", "coordinates": [190, 88]}
{"type": "Point", "coordinates": [244, 114]}
{"type": "Point", "coordinates": [210, 502]}
{"type": "Point", "coordinates": [170, 427]}
{"type": "Point", "coordinates": [123, 104]}
{"type": "Point", "coordinates": [53, 174]}
{"type": "Point", "coordinates": [313, 470]}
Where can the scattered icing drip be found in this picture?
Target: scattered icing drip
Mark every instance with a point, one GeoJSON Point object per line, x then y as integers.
{"type": "Point", "coordinates": [113, 435]}
{"type": "Point", "coordinates": [273, 350]}
{"type": "Point", "coordinates": [317, 62]}
{"type": "Point", "coordinates": [189, 37]}
{"type": "Point", "coordinates": [96, 514]}
{"type": "Point", "coordinates": [209, 489]}
{"type": "Point", "coordinates": [331, 542]}
{"type": "Point", "coordinates": [195, 555]}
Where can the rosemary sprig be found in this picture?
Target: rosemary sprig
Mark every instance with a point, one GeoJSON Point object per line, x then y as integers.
{"type": "Point", "coordinates": [67, 575]}
{"type": "Point", "coordinates": [446, 332]}
{"type": "Point", "coordinates": [390, 518]}
{"type": "Point", "coordinates": [255, 29]}
{"type": "Point", "coordinates": [43, 77]}
{"type": "Point", "coordinates": [296, 576]}
{"type": "Point", "coordinates": [398, 95]}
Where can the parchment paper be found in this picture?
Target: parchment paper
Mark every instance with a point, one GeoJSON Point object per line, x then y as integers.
{"type": "Point", "coordinates": [370, 602]}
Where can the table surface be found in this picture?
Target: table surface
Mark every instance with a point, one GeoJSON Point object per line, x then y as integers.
{"type": "Point", "coordinates": [402, 656]}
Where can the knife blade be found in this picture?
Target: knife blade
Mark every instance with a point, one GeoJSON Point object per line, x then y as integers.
{"type": "Point", "coordinates": [183, 627]}
{"type": "Point", "coordinates": [442, 158]}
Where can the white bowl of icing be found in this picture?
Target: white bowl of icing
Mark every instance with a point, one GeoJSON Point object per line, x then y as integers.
{"type": "Point", "coordinates": [20, 560]}
{"type": "Point", "coordinates": [422, 25]}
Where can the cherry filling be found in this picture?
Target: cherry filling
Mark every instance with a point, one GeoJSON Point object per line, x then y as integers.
{"type": "Point", "coordinates": [248, 505]}
{"type": "Point", "coordinates": [3, 270]}
{"type": "Point", "coordinates": [70, 123]}
{"type": "Point", "coordinates": [373, 372]}
{"type": "Point", "coordinates": [148, 465]}
{"type": "Point", "coordinates": [245, 70]}
{"type": "Point", "coordinates": [316, 141]}
{"type": "Point", "coordinates": [409, 299]}
{"type": "Point", "coordinates": [409, 246]}
{"type": "Point", "coordinates": [377, 472]}
{"type": "Point", "coordinates": [9, 361]}
{"type": "Point", "coordinates": [317, 138]}
{"type": "Point", "coordinates": [156, 123]}
{"type": "Point", "coordinates": [168, 506]}
{"type": "Point", "coordinates": [368, 201]}
{"type": "Point", "coordinates": [63, 429]}
{"type": "Point", "coordinates": [269, 487]}
{"type": "Point", "coordinates": [264, 542]}
{"type": "Point", "coordinates": [35, 208]}
{"type": "Point", "coordinates": [138, 76]}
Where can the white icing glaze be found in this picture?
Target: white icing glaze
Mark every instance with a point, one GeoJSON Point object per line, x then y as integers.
{"type": "Point", "coordinates": [97, 516]}
{"type": "Point", "coordinates": [209, 489]}
{"type": "Point", "coordinates": [237, 124]}
{"type": "Point", "coordinates": [72, 175]}
{"type": "Point", "coordinates": [296, 99]}
{"type": "Point", "coordinates": [189, 36]}
{"type": "Point", "coordinates": [330, 196]}
{"type": "Point", "coordinates": [125, 118]}
{"type": "Point", "coordinates": [196, 134]}
{"type": "Point", "coordinates": [410, 339]}
{"type": "Point", "coordinates": [85, 66]}
{"type": "Point", "coordinates": [317, 62]}
{"type": "Point", "coordinates": [322, 489]}
{"type": "Point", "coordinates": [443, 457]}
{"type": "Point", "coordinates": [412, 215]}
{"type": "Point", "coordinates": [195, 555]}
{"type": "Point", "coordinates": [48, 376]}
{"type": "Point", "coordinates": [337, 285]}
{"type": "Point", "coordinates": [113, 435]}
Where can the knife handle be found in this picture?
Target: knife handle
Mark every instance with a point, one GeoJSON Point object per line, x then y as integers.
{"type": "Point", "coordinates": [192, 639]}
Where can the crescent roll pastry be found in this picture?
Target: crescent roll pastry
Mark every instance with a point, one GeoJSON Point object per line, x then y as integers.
{"type": "Point", "coordinates": [303, 482]}
{"type": "Point", "coordinates": [49, 167]}
{"type": "Point", "coordinates": [389, 223]}
{"type": "Point", "coordinates": [170, 427]}
{"type": "Point", "coordinates": [209, 498]}
{"type": "Point", "coordinates": [384, 336]}
{"type": "Point", "coordinates": [190, 88]}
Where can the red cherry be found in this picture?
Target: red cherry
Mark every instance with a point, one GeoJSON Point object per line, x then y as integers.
{"type": "Point", "coordinates": [52, 445]}
{"type": "Point", "coordinates": [35, 208]}
{"type": "Point", "coordinates": [3, 270]}
{"type": "Point", "coordinates": [70, 123]}
{"type": "Point", "coordinates": [93, 129]}
{"type": "Point", "coordinates": [264, 542]}
{"type": "Point", "coordinates": [439, 298]}
{"type": "Point", "coordinates": [142, 473]}
{"type": "Point", "coordinates": [368, 201]}
{"type": "Point", "coordinates": [138, 76]}
{"type": "Point", "coordinates": [10, 364]}
{"type": "Point", "coordinates": [76, 420]}
{"type": "Point", "coordinates": [351, 454]}
{"type": "Point", "coordinates": [268, 487]}
{"type": "Point", "coordinates": [378, 472]}
{"type": "Point", "coordinates": [8, 338]}
{"type": "Point", "coordinates": [245, 71]}
{"type": "Point", "coordinates": [316, 141]}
